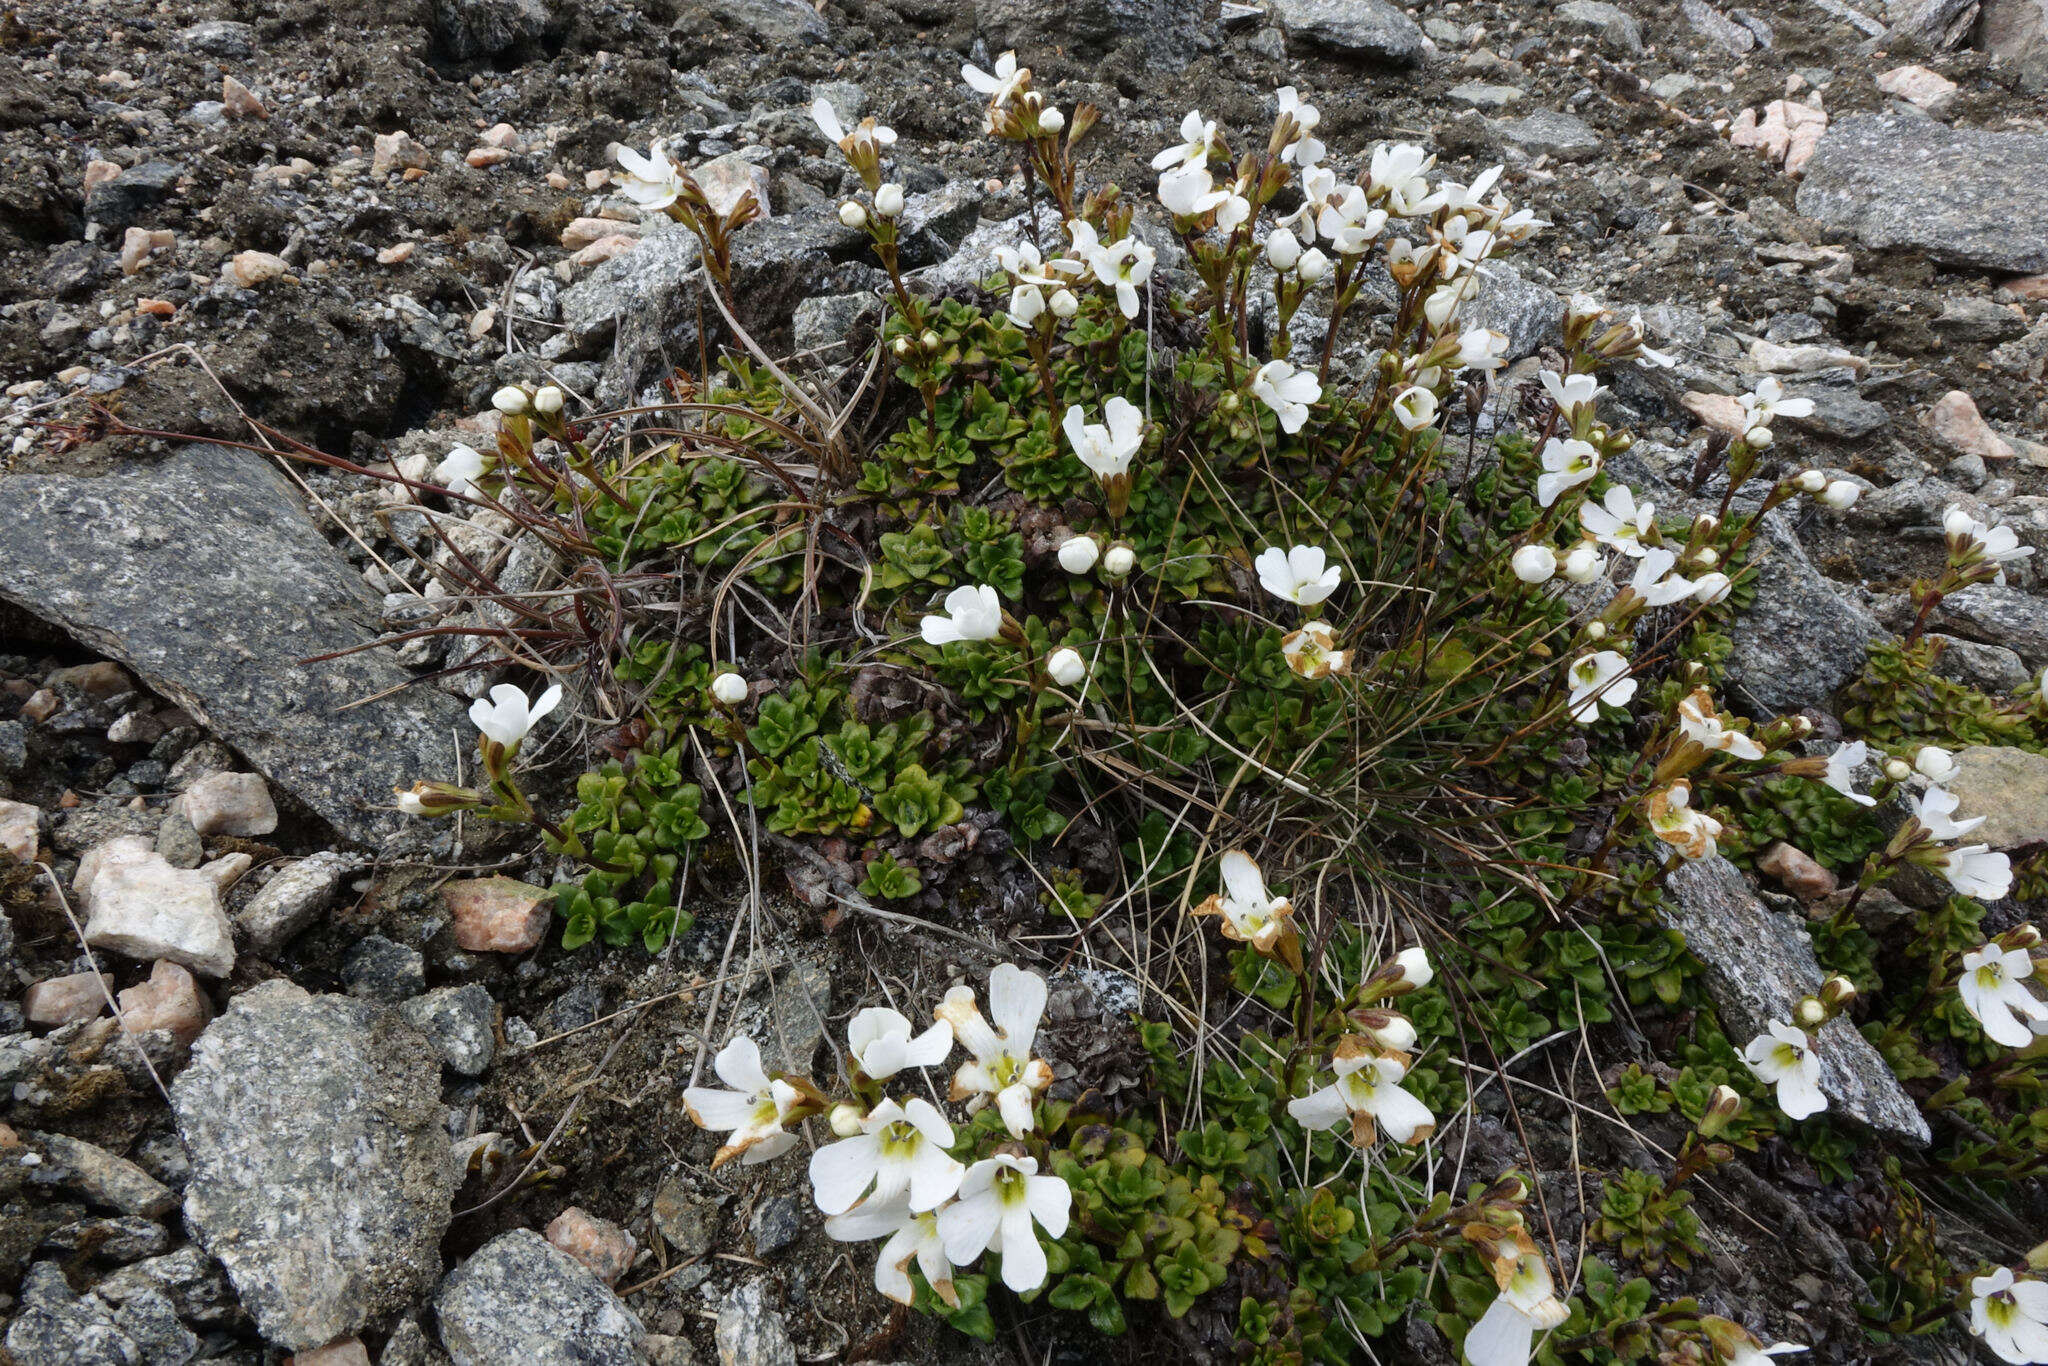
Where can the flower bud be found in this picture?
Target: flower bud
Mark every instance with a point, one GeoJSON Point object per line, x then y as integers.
{"type": "Point", "coordinates": [853, 215]}
{"type": "Point", "coordinates": [1809, 1014]}
{"type": "Point", "coordinates": [1409, 971]}
{"type": "Point", "coordinates": [1758, 438]}
{"type": "Point", "coordinates": [1723, 1105]}
{"type": "Point", "coordinates": [1840, 494]}
{"type": "Point", "coordinates": [1283, 249]}
{"type": "Point", "coordinates": [1066, 667]}
{"type": "Point", "coordinates": [1078, 554]}
{"type": "Point", "coordinates": [1118, 561]}
{"type": "Point", "coordinates": [1709, 589]}
{"type": "Point", "coordinates": [889, 200]}
{"type": "Point", "coordinates": [1312, 266]}
{"type": "Point", "coordinates": [510, 400]}
{"type": "Point", "coordinates": [1051, 120]}
{"type": "Point", "coordinates": [548, 401]}
{"type": "Point", "coordinates": [900, 347]}
{"type": "Point", "coordinates": [846, 1119]}
{"type": "Point", "coordinates": [1837, 994]}
{"type": "Point", "coordinates": [1387, 1028]}
{"type": "Point", "coordinates": [729, 688]}
{"type": "Point", "coordinates": [1810, 481]}
{"type": "Point", "coordinates": [1706, 557]}
{"type": "Point", "coordinates": [1583, 563]}
{"type": "Point", "coordinates": [1898, 770]}
{"type": "Point", "coordinates": [1596, 630]}
{"type": "Point", "coordinates": [1063, 303]}
{"type": "Point", "coordinates": [928, 339]}
{"type": "Point", "coordinates": [1706, 524]}
{"type": "Point", "coordinates": [1534, 563]}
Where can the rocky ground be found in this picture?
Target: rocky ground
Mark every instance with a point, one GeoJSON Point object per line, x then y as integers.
{"type": "Point", "coordinates": [350, 224]}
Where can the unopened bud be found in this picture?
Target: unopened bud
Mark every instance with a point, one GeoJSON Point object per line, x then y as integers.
{"type": "Point", "coordinates": [1809, 1013]}
{"type": "Point", "coordinates": [853, 215]}
{"type": "Point", "coordinates": [1723, 1105]}
{"type": "Point", "coordinates": [510, 400]}
{"type": "Point", "coordinates": [1840, 495]}
{"type": "Point", "coordinates": [928, 339]}
{"type": "Point", "coordinates": [1051, 120]}
{"type": "Point", "coordinates": [900, 347]}
{"type": "Point", "coordinates": [846, 1118]}
{"type": "Point", "coordinates": [889, 200]}
{"type": "Point", "coordinates": [1898, 770]}
{"type": "Point", "coordinates": [1063, 303]}
{"type": "Point", "coordinates": [2020, 937]}
{"type": "Point", "coordinates": [1837, 994]}
{"type": "Point", "coordinates": [1810, 481]}
{"type": "Point", "coordinates": [548, 401]}
{"type": "Point", "coordinates": [1758, 438]}
{"type": "Point", "coordinates": [1118, 561]}
{"type": "Point", "coordinates": [1706, 524]}
{"type": "Point", "coordinates": [1596, 630]}
{"type": "Point", "coordinates": [1706, 557]}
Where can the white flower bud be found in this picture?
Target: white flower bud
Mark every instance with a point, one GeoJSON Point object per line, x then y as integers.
{"type": "Point", "coordinates": [1810, 481]}
{"type": "Point", "coordinates": [1706, 524]}
{"type": "Point", "coordinates": [1119, 560]}
{"type": "Point", "coordinates": [1051, 120]}
{"type": "Point", "coordinates": [1898, 770]}
{"type": "Point", "coordinates": [1312, 266]}
{"type": "Point", "coordinates": [1063, 303]}
{"type": "Point", "coordinates": [846, 1118]}
{"type": "Point", "coordinates": [900, 347]}
{"type": "Point", "coordinates": [928, 339]}
{"type": "Point", "coordinates": [1066, 667]}
{"type": "Point", "coordinates": [1957, 522]}
{"type": "Point", "coordinates": [1534, 563]}
{"type": "Point", "coordinates": [729, 688]}
{"type": "Point", "coordinates": [510, 400]}
{"type": "Point", "coordinates": [1596, 630]}
{"type": "Point", "coordinates": [1583, 563]}
{"type": "Point", "coordinates": [548, 401]}
{"type": "Point", "coordinates": [1935, 762]}
{"type": "Point", "coordinates": [1709, 589]}
{"type": "Point", "coordinates": [1841, 495]}
{"type": "Point", "coordinates": [1283, 249]}
{"type": "Point", "coordinates": [1078, 554]}
{"type": "Point", "coordinates": [889, 200]}
{"type": "Point", "coordinates": [1415, 968]}
{"type": "Point", "coordinates": [1706, 557]}
{"type": "Point", "coordinates": [853, 215]}
{"type": "Point", "coordinates": [1758, 437]}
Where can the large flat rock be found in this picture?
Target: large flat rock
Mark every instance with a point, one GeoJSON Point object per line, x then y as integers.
{"type": "Point", "coordinates": [1963, 196]}
{"type": "Point", "coordinates": [1803, 638]}
{"type": "Point", "coordinates": [203, 574]}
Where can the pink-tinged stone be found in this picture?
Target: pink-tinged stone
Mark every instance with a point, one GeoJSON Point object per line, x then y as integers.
{"type": "Point", "coordinates": [599, 1244]}
{"type": "Point", "coordinates": [240, 100]}
{"type": "Point", "coordinates": [500, 135]}
{"type": "Point", "coordinates": [1918, 86]}
{"type": "Point", "coordinates": [2027, 287]}
{"type": "Point", "coordinates": [145, 908]}
{"type": "Point", "coordinates": [42, 704]}
{"type": "Point", "coordinates": [725, 178]}
{"type": "Point", "coordinates": [497, 914]}
{"type": "Point", "coordinates": [231, 804]}
{"type": "Point", "coordinates": [1719, 411]}
{"type": "Point", "coordinates": [170, 999]}
{"type": "Point", "coordinates": [397, 254]}
{"type": "Point", "coordinates": [99, 680]}
{"type": "Point", "coordinates": [1787, 132]}
{"type": "Point", "coordinates": [581, 232]}
{"type": "Point", "coordinates": [1956, 423]}
{"type": "Point", "coordinates": [63, 1000]}
{"type": "Point", "coordinates": [98, 173]}
{"type": "Point", "coordinates": [1797, 872]}
{"type": "Point", "coordinates": [604, 249]}
{"type": "Point", "coordinates": [482, 157]}
{"type": "Point", "coordinates": [107, 853]}
{"type": "Point", "coordinates": [399, 149]}
{"type": "Point", "coordinates": [18, 832]}
{"type": "Point", "coordinates": [347, 1352]}
{"type": "Point", "coordinates": [249, 269]}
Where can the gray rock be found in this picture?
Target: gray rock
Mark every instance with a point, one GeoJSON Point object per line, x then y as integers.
{"type": "Point", "coordinates": [1168, 31]}
{"type": "Point", "coordinates": [778, 1221]}
{"type": "Point", "coordinates": [55, 1326]}
{"type": "Point", "coordinates": [749, 1332]}
{"type": "Point", "coordinates": [123, 1238]}
{"type": "Point", "coordinates": [1674, 85]}
{"type": "Point", "coordinates": [178, 842]}
{"type": "Point", "coordinates": [1839, 413]}
{"type": "Point", "coordinates": [824, 326]}
{"type": "Point", "coordinates": [1549, 132]}
{"type": "Point", "coordinates": [1372, 29]}
{"type": "Point", "coordinates": [136, 192]}
{"type": "Point", "coordinates": [934, 224]}
{"type": "Point", "coordinates": [1526, 313]}
{"type": "Point", "coordinates": [519, 1298]}
{"type": "Point", "coordinates": [481, 28]}
{"type": "Point", "coordinates": [202, 574]}
{"type": "Point", "coordinates": [2009, 788]}
{"type": "Point", "coordinates": [151, 1322]}
{"type": "Point", "coordinates": [220, 38]}
{"type": "Point", "coordinates": [1758, 963]}
{"type": "Point", "coordinates": [1710, 23]}
{"type": "Point", "coordinates": [292, 899]}
{"type": "Point", "coordinates": [688, 1222]}
{"type": "Point", "coordinates": [1962, 196]}
{"type": "Point", "coordinates": [1803, 638]}
{"type": "Point", "coordinates": [1987, 668]}
{"type": "Point", "coordinates": [2016, 31]}
{"type": "Point", "coordinates": [409, 1345]}
{"type": "Point", "coordinates": [1998, 615]}
{"type": "Point", "coordinates": [1969, 318]}
{"type": "Point", "coordinates": [188, 1278]}
{"type": "Point", "coordinates": [460, 1023]}
{"type": "Point", "coordinates": [104, 1178]}
{"type": "Point", "coordinates": [1480, 95]}
{"type": "Point", "coordinates": [797, 1009]}
{"type": "Point", "coordinates": [773, 22]}
{"type": "Point", "coordinates": [321, 1174]}
{"type": "Point", "coordinates": [376, 969]}
{"type": "Point", "coordinates": [1611, 22]}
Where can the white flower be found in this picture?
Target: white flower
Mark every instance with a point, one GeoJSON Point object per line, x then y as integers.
{"type": "Point", "coordinates": [1002, 1065]}
{"type": "Point", "coordinates": [1066, 667]}
{"type": "Point", "coordinates": [881, 1042]}
{"type": "Point", "coordinates": [1063, 303]}
{"type": "Point", "coordinates": [1595, 678]}
{"type": "Point", "coordinates": [1783, 1056]}
{"type": "Point", "coordinates": [889, 199]}
{"type": "Point", "coordinates": [411, 804]}
{"type": "Point", "coordinates": [1976, 870]}
{"type": "Point", "coordinates": [1106, 447]}
{"type": "Point", "coordinates": [510, 400]}
{"type": "Point", "coordinates": [869, 133]}
{"type": "Point", "coordinates": [909, 1235]}
{"type": "Point", "coordinates": [1000, 1199]}
{"type": "Point", "coordinates": [1123, 266]}
{"type": "Point", "coordinates": [1312, 266]}
{"type": "Point", "coordinates": [973, 612]}
{"type": "Point", "coordinates": [1481, 348]}
{"type": "Point", "coordinates": [1415, 967]}
{"type": "Point", "coordinates": [1119, 560]}
{"type": "Point", "coordinates": [1618, 520]}
{"type": "Point", "coordinates": [853, 215]}
{"type": "Point", "coordinates": [1442, 305]}
{"type": "Point", "coordinates": [1657, 360]}
{"type": "Point", "coordinates": [1079, 553]}
{"type": "Point", "coordinates": [1745, 1354]}
{"type": "Point", "coordinates": [1414, 408]}
{"type": "Point", "coordinates": [1000, 84]}
{"type": "Point", "coordinates": [1400, 175]}
{"type": "Point", "coordinates": [729, 688]}
{"type": "Point", "coordinates": [1700, 721]}
{"type": "Point", "coordinates": [1234, 209]}
{"type": "Point", "coordinates": [1993, 545]}
{"type": "Point", "coordinates": [900, 1148]}
{"type": "Point", "coordinates": [1583, 564]}
{"type": "Point", "coordinates": [1566, 464]}
{"type": "Point", "coordinates": [1304, 150]}
{"type": "Point", "coordinates": [1935, 810]}
{"type": "Point", "coordinates": [1249, 914]}
{"type": "Point", "coordinates": [507, 717]}
{"type": "Point", "coordinates": [1368, 1092]}
{"type": "Point", "coordinates": [1840, 494]}
{"type": "Point", "coordinates": [1935, 763]}
{"type": "Point", "coordinates": [1197, 140]}
{"type": "Point", "coordinates": [1680, 824]}
{"type": "Point", "coordinates": [752, 1113]}
{"type": "Point", "coordinates": [1312, 651]}
{"type": "Point", "coordinates": [653, 181]}
{"type": "Point", "coordinates": [1993, 990]}
{"type": "Point", "coordinates": [1283, 249]}
{"type": "Point", "coordinates": [1654, 582]}
{"type": "Point", "coordinates": [1506, 1333]}
{"type": "Point", "coordinates": [461, 469]}
{"type": "Point", "coordinates": [1287, 391]}
{"type": "Point", "coordinates": [1571, 392]}
{"type": "Point", "coordinates": [1351, 223]}
{"type": "Point", "coordinates": [1302, 575]}
{"type": "Point", "coordinates": [1712, 588]}
{"type": "Point", "coordinates": [1767, 402]}
{"type": "Point", "coordinates": [1841, 771]}
{"type": "Point", "coordinates": [1022, 261]}
{"type": "Point", "coordinates": [1534, 563]}
{"type": "Point", "coordinates": [1462, 198]}
{"type": "Point", "coordinates": [1051, 120]}
{"type": "Point", "coordinates": [1189, 190]}
{"type": "Point", "coordinates": [2011, 1315]}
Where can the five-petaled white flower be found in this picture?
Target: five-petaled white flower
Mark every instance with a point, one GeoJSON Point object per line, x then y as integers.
{"type": "Point", "coordinates": [973, 612]}
{"type": "Point", "coordinates": [1976, 870]}
{"type": "Point", "coordinates": [2011, 1314]}
{"type": "Point", "coordinates": [1303, 150]}
{"type": "Point", "coordinates": [1399, 174]}
{"type": "Point", "coordinates": [1023, 262]}
{"type": "Point", "coordinates": [1481, 348]}
{"type": "Point", "coordinates": [1701, 722]}
{"type": "Point", "coordinates": [900, 1149]}
{"type": "Point", "coordinates": [1567, 463]}
{"type": "Point", "coordinates": [1981, 544]}
{"type": "Point", "coordinates": [1767, 402]}
{"type": "Point", "coordinates": [1841, 771]}
{"type": "Point", "coordinates": [1993, 988]}
{"type": "Point", "coordinates": [1189, 191]}
{"type": "Point", "coordinates": [1250, 916]}
{"type": "Point", "coordinates": [1414, 408]}
{"type": "Point", "coordinates": [1124, 266]}
{"type": "Point", "coordinates": [1595, 678]}
{"type": "Point", "coordinates": [1312, 651]}
{"type": "Point", "coordinates": [999, 85]}
{"type": "Point", "coordinates": [1106, 447]}
{"type": "Point", "coordinates": [1287, 391]}
{"type": "Point", "coordinates": [1783, 1056]}
{"type": "Point", "coordinates": [1506, 1333]}
{"type": "Point", "coordinates": [1198, 138]}
{"type": "Point", "coordinates": [1351, 223]}
{"type": "Point", "coordinates": [461, 469]}
{"type": "Point", "coordinates": [1618, 520]}
{"type": "Point", "coordinates": [1654, 582]}
{"type": "Point", "coordinates": [653, 181]}
{"type": "Point", "coordinates": [1002, 1066]}
{"type": "Point", "coordinates": [1303, 575]}
{"type": "Point", "coordinates": [1001, 1198]}
{"type": "Point", "coordinates": [1368, 1092]}
{"type": "Point", "coordinates": [1680, 824]}
{"type": "Point", "coordinates": [752, 1113]}
{"type": "Point", "coordinates": [1571, 392]}
{"type": "Point", "coordinates": [909, 1234]}
{"type": "Point", "coordinates": [507, 717]}
{"type": "Point", "coordinates": [867, 134]}
{"type": "Point", "coordinates": [1935, 810]}
{"type": "Point", "coordinates": [881, 1042]}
